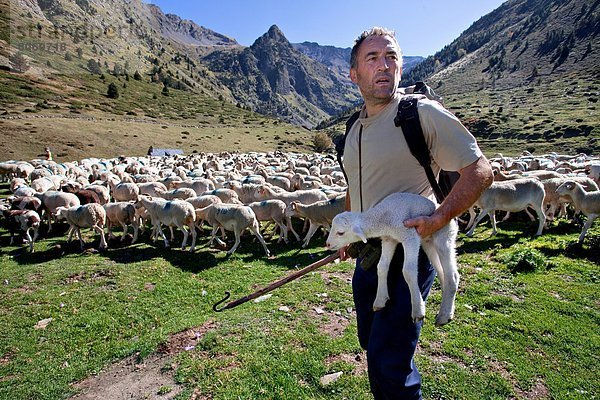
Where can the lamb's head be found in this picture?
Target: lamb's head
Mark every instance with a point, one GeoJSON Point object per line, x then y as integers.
{"type": "Point", "coordinates": [345, 229]}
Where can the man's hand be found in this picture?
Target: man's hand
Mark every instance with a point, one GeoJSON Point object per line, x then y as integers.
{"type": "Point", "coordinates": [426, 226]}
{"type": "Point", "coordinates": [342, 253]}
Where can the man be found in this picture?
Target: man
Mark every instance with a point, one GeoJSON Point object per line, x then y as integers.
{"type": "Point", "coordinates": [378, 162]}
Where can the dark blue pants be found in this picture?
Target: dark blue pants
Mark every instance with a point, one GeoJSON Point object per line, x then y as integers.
{"type": "Point", "coordinates": [389, 335]}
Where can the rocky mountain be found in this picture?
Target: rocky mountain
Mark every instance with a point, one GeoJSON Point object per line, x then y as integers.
{"type": "Point", "coordinates": [338, 59]}
{"type": "Point", "coordinates": [119, 38]}
{"type": "Point", "coordinates": [274, 78]}
{"type": "Point", "coordinates": [519, 42]}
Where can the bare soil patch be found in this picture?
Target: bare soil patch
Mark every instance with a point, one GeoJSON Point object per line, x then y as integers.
{"type": "Point", "coordinates": [150, 378]}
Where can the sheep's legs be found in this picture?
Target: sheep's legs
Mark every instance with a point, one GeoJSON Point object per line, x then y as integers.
{"type": "Point", "coordinates": [98, 229]}
{"type": "Point", "coordinates": [311, 231]}
{"type": "Point", "coordinates": [256, 233]}
{"type": "Point", "coordinates": [194, 235]}
{"type": "Point", "coordinates": [236, 244]}
{"type": "Point", "coordinates": [586, 226]}
{"type": "Point", "coordinates": [388, 247]}
{"type": "Point", "coordinates": [158, 231]}
{"type": "Point", "coordinates": [283, 232]}
{"type": "Point", "coordinates": [542, 217]}
{"type": "Point", "coordinates": [291, 228]}
{"type": "Point", "coordinates": [481, 215]}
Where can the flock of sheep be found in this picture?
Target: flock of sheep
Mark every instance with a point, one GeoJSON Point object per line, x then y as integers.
{"type": "Point", "coordinates": [238, 191]}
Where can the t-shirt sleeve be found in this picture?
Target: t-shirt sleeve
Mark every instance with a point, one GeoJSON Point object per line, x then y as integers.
{"type": "Point", "coordinates": [451, 144]}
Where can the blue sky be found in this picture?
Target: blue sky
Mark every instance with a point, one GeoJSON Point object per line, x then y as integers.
{"type": "Point", "coordinates": [422, 26]}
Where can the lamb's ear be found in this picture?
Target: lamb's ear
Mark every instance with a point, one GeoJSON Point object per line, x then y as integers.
{"type": "Point", "coordinates": [359, 232]}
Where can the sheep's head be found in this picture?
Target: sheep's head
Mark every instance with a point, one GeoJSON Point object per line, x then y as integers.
{"type": "Point", "coordinates": [290, 210]}
{"type": "Point", "coordinates": [61, 213]}
{"type": "Point", "coordinates": [345, 229]}
{"type": "Point", "coordinates": [566, 188]}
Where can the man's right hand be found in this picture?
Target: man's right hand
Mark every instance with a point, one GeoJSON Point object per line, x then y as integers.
{"type": "Point", "coordinates": [342, 253]}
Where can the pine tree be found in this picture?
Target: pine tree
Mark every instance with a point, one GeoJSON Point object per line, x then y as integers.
{"type": "Point", "coordinates": [113, 91]}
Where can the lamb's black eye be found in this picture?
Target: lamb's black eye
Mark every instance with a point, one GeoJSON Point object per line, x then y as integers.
{"type": "Point", "coordinates": [340, 233]}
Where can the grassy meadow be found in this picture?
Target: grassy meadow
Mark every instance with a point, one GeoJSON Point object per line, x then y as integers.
{"type": "Point", "coordinates": [526, 325]}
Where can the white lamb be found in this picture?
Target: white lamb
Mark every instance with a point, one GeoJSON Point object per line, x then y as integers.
{"type": "Point", "coordinates": [86, 216]}
{"type": "Point", "coordinates": [587, 202]}
{"type": "Point", "coordinates": [386, 221]}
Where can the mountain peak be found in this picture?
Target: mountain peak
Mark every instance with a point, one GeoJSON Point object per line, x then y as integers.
{"type": "Point", "coordinates": [275, 33]}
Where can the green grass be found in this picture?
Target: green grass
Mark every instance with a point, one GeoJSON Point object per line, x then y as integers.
{"type": "Point", "coordinates": [514, 334]}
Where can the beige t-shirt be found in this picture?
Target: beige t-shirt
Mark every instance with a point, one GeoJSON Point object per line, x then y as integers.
{"type": "Point", "coordinates": [378, 161]}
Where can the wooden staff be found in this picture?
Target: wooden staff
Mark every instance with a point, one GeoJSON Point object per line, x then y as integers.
{"type": "Point", "coordinates": [274, 285]}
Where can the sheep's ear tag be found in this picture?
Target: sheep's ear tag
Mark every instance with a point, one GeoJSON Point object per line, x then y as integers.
{"type": "Point", "coordinates": [359, 232]}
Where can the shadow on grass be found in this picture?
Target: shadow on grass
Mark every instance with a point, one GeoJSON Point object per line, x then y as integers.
{"type": "Point", "coordinates": [287, 256]}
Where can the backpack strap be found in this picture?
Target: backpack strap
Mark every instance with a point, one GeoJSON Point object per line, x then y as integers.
{"type": "Point", "coordinates": [341, 141]}
{"type": "Point", "coordinates": [408, 119]}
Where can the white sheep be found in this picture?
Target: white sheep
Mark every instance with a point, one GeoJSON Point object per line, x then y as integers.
{"type": "Point", "coordinates": [90, 215]}
{"type": "Point", "coordinates": [121, 213]}
{"type": "Point", "coordinates": [181, 193]}
{"type": "Point", "coordinates": [319, 214]}
{"type": "Point", "coordinates": [232, 217]}
{"type": "Point", "coordinates": [177, 213]}
{"type": "Point", "coordinates": [386, 221]}
{"type": "Point", "coordinates": [25, 220]}
{"type": "Point", "coordinates": [512, 196]}
{"type": "Point", "coordinates": [272, 210]}
{"type": "Point", "coordinates": [587, 202]}
{"type": "Point", "coordinates": [52, 199]}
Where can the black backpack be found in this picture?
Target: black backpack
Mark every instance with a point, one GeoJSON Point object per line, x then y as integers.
{"type": "Point", "coordinates": [408, 118]}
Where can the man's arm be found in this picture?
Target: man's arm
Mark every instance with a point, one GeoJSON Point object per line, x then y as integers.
{"type": "Point", "coordinates": [474, 179]}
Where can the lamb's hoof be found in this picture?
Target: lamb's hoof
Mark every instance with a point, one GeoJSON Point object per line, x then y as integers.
{"type": "Point", "coordinates": [441, 320]}
{"type": "Point", "coordinates": [379, 305]}
{"type": "Point", "coordinates": [418, 318]}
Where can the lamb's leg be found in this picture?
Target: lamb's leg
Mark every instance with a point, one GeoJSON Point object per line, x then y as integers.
{"type": "Point", "coordinates": [444, 261]}
{"type": "Point", "coordinates": [410, 271]}
{"type": "Point", "coordinates": [388, 247]}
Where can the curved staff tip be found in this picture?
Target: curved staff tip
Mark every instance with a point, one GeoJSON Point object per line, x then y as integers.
{"type": "Point", "coordinates": [227, 296]}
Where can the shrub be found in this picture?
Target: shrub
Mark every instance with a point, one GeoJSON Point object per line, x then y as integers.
{"type": "Point", "coordinates": [322, 142]}
{"type": "Point", "coordinates": [523, 259]}
{"type": "Point", "coordinates": [113, 91]}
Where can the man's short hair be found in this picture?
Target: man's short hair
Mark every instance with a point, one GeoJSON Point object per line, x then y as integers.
{"type": "Point", "coordinates": [375, 31]}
